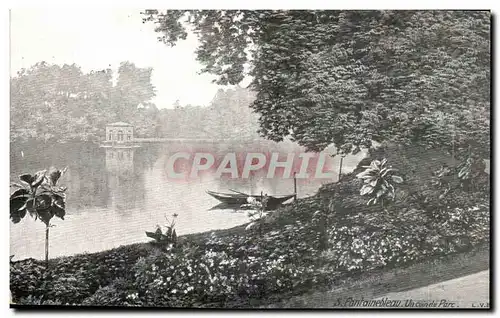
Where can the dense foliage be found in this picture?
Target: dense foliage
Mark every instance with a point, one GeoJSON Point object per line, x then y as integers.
{"type": "Point", "coordinates": [352, 77]}
{"type": "Point", "coordinates": [53, 102]}
{"type": "Point", "coordinates": [70, 280]}
{"type": "Point", "coordinates": [227, 117]}
{"type": "Point", "coordinates": [60, 103]}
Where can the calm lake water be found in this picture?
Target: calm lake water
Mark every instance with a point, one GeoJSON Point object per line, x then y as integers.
{"type": "Point", "coordinates": [115, 195]}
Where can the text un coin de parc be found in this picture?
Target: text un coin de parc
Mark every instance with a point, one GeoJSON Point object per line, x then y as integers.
{"type": "Point", "coordinates": [302, 163]}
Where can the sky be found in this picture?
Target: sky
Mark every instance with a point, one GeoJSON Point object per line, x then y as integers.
{"type": "Point", "coordinates": [95, 39]}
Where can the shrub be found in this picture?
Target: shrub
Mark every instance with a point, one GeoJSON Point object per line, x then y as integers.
{"type": "Point", "coordinates": [72, 279]}
{"type": "Point", "coordinates": [118, 293]}
{"type": "Point", "coordinates": [365, 244]}
{"type": "Point", "coordinates": [378, 181]}
{"type": "Point", "coordinates": [230, 268]}
{"type": "Point", "coordinates": [104, 296]}
{"type": "Point", "coordinates": [25, 279]}
{"type": "Point", "coordinates": [67, 288]}
{"type": "Point", "coordinates": [30, 281]}
{"type": "Point", "coordinates": [175, 278]}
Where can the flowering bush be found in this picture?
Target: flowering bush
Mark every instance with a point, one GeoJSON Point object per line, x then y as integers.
{"type": "Point", "coordinates": [176, 278]}
{"type": "Point", "coordinates": [364, 246]}
{"type": "Point", "coordinates": [105, 296]}
{"type": "Point", "coordinates": [356, 249]}
{"type": "Point", "coordinates": [465, 227]}
{"type": "Point", "coordinates": [229, 268]}
{"type": "Point", "coordinates": [71, 279]}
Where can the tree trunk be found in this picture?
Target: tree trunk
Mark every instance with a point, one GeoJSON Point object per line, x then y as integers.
{"type": "Point", "coordinates": [453, 148]}
{"type": "Point", "coordinates": [294, 186]}
{"type": "Point", "coordinates": [340, 169]}
{"type": "Point", "coordinates": [47, 245]}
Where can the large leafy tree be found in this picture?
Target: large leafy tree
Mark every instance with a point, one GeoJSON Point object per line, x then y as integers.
{"type": "Point", "coordinates": [42, 99]}
{"type": "Point", "coordinates": [133, 88]}
{"type": "Point", "coordinates": [352, 77]}
{"type": "Point", "coordinates": [228, 116]}
{"type": "Point", "coordinates": [50, 101]}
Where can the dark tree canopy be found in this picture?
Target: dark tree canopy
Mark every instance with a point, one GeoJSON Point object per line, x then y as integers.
{"type": "Point", "coordinates": [352, 77]}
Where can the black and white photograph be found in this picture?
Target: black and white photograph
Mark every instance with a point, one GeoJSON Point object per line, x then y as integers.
{"type": "Point", "coordinates": [250, 159]}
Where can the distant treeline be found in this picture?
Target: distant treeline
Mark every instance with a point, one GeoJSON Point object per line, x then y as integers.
{"type": "Point", "coordinates": [229, 117]}
{"type": "Point", "coordinates": [60, 103]}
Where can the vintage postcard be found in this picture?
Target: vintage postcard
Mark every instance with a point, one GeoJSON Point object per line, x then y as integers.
{"type": "Point", "coordinates": [255, 159]}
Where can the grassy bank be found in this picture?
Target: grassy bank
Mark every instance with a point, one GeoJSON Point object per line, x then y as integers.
{"type": "Point", "coordinates": [330, 241]}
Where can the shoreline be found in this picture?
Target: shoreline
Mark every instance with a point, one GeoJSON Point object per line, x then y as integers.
{"type": "Point", "coordinates": [372, 284]}
{"type": "Point", "coordinates": [191, 238]}
{"type": "Point", "coordinates": [292, 261]}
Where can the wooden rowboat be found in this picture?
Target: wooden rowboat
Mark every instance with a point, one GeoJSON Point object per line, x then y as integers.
{"type": "Point", "coordinates": [241, 198]}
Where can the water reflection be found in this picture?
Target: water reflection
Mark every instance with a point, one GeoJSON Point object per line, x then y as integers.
{"type": "Point", "coordinates": [120, 161]}
{"type": "Point", "coordinates": [115, 195]}
{"type": "Point", "coordinates": [125, 184]}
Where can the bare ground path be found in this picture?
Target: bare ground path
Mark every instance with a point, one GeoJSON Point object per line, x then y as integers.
{"type": "Point", "coordinates": [464, 292]}
{"type": "Point", "coordinates": [462, 279]}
